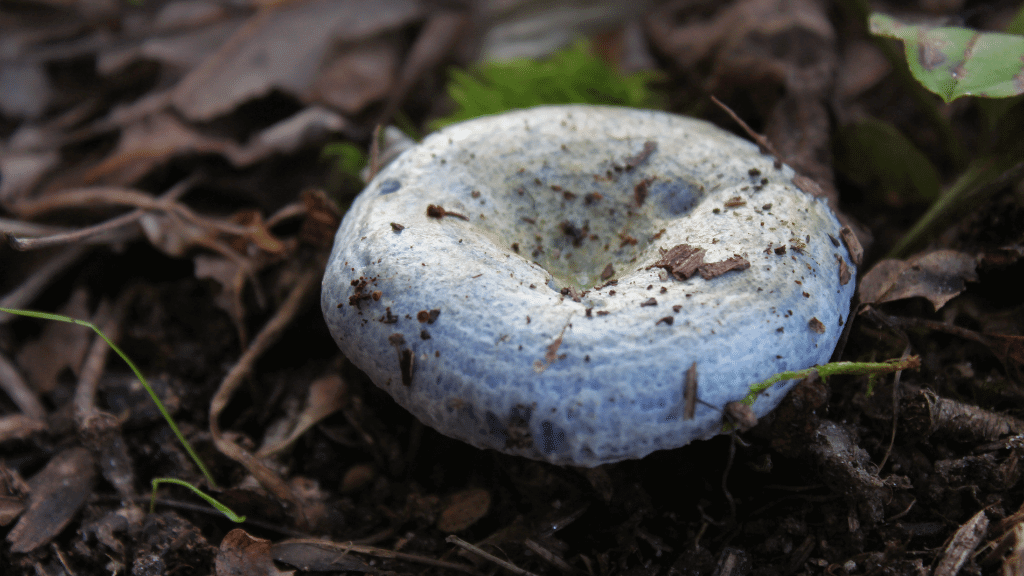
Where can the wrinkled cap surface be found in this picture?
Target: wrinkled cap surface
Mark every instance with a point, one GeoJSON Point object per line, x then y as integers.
{"type": "Point", "coordinates": [539, 282]}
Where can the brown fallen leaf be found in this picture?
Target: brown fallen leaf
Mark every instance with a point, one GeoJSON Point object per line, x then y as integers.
{"type": "Point", "coordinates": [963, 544]}
{"type": "Point", "coordinates": [13, 494]}
{"type": "Point", "coordinates": [60, 347]}
{"type": "Point", "coordinates": [1009, 348]}
{"type": "Point", "coordinates": [149, 142]}
{"type": "Point", "coordinates": [326, 395]}
{"type": "Point", "coordinates": [780, 54]}
{"type": "Point", "coordinates": [58, 491]}
{"type": "Point", "coordinates": [282, 46]}
{"type": "Point", "coordinates": [463, 509]}
{"type": "Point", "coordinates": [358, 75]}
{"type": "Point", "coordinates": [322, 219]}
{"type": "Point", "coordinates": [243, 555]}
{"type": "Point", "coordinates": [937, 276]}
{"type": "Point", "coordinates": [22, 171]}
{"type": "Point", "coordinates": [320, 556]}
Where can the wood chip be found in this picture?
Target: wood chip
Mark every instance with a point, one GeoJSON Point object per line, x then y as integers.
{"type": "Point", "coordinates": [816, 325]}
{"type": "Point", "coordinates": [716, 269]}
{"type": "Point", "coordinates": [690, 392]}
{"type": "Point", "coordinates": [682, 260]}
{"type": "Point", "coordinates": [852, 245]}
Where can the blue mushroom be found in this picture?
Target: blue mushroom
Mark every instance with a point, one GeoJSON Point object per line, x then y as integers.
{"type": "Point", "coordinates": [540, 282]}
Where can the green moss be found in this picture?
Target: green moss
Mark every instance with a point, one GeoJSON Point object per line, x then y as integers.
{"type": "Point", "coordinates": [570, 76]}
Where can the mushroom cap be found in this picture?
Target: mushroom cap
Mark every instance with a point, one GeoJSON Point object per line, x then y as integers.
{"type": "Point", "coordinates": [540, 309]}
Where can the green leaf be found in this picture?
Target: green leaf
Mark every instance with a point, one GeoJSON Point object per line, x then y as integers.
{"type": "Point", "coordinates": [569, 76]}
{"type": "Point", "coordinates": [348, 158]}
{"type": "Point", "coordinates": [954, 62]}
{"type": "Point", "coordinates": [975, 185]}
{"type": "Point", "coordinates": [1016, 25]}
{"type": "Point", "coordinates": [880, 158]}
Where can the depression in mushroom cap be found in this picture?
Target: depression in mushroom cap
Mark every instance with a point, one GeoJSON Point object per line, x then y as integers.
{"type": "Point", "coordinates": [540, 282]}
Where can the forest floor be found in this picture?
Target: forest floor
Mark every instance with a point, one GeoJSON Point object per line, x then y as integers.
{"type": "Point", "coordinates": [162, 175]}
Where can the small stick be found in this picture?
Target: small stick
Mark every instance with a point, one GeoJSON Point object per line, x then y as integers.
{"type": "Point", "coordinates": [690, 392]}
{"type": "Point", "coordinates": [374, 152]}
{"type": "Point", "coordinates": [763, 143]}
{"type": "Point", "coordinates": [118, 222]}
{"type": "Point", "coordinates": [270, 334]}
{"type": "Point", "coordinates": [453, 539]}
{"type": "Point", "coordinates": [346, 547]}
{"type": "Point", "coordinates": [40, 279]}
{"type": "Point", "coordinates": [14, 385]}
{"type": "Point", "coordinates": [109, 321]}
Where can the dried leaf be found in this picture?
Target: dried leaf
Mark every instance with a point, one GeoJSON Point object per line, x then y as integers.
{"type": "Point", "coordinates": [22, 171]}
{"type": "Point", "coordinates": [310, 125]}
{"type": "Point", "coordinates": [282, 47]}
{"type": "Point", "coordinates": [359, 75]}
{"type": "Point", "coordinates": [1009, 348]}
{"type": "Point", "coordinates": [962, 545]}
{"type": "Point", "coordinates": [156, 138]}
{"type": "Point", "coordinates": [25, 89]}
{"type": "Point", "coordinates": [13, 494]}
{"type": "Point", "coordinates": [149, 142]}
{"type": "Point", "coordinates": [58, 491]}
{"type": "Point", "coordinates": [179, 45]}
{"type": "Point", "coordinates": [463, 509]}
{"type": "Point", "coordinates": [259, 235]}
{"type": "Point", "coordinates": [322, 219]}
{"type": "Point", "coordinates": [326, 395]}
{"type": "Point", "coordinates": [172, 235]}
{"type": "Point", "coordinates": [60, 347]}
{"type": "Point", "coordinates": [231, 276]}
{"type": "Point", "coordinates": [938, 276]}
{"type": "Point", "coordinates": [319, 556]}
{"type": "Point", "coordinates": [243, 555]}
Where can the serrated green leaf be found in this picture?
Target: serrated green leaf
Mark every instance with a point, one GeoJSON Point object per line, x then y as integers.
{"type": "Point", "coordinates": [954, 62]}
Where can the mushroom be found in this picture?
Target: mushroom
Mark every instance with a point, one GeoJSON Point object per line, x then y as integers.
{"type": "Point", "coordinates": [541, 282]}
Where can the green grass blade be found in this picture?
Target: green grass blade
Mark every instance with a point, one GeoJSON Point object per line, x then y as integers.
{"type": "Point", "coordinates": [138, 374]}
{"type": "Point", "coordinates": [210, 499]}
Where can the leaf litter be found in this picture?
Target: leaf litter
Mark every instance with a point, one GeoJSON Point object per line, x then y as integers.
{"type": "Point", "coordinates": [182, 161]}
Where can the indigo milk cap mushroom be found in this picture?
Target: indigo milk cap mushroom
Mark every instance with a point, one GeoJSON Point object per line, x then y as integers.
{"type": "Point", "coordinates": [541, 281]}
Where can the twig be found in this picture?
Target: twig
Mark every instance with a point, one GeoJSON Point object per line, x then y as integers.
{"type": "Point", "coordinates": [116, 196]}
{"type": "Point", "coordinates": [109, 320]}
{"type": "Point", "coordinates": [345, 547]}
{"type": "Point", "coordinates": [763, 143]}
{"type": "Point", "coordinates": [549, 556]}
{"type": "Point", "coordinates": [16, 388]}
{"type": "Point", "coordinates": [40, 279]}
{"type": "Point", "coordinates": [79, 235]}
{"type": "Point", "coordinates": [270, 333]}
{"type": "Point", "coordinates": [12, 227]}
{"type": "Point", "coordinates": [895, 408]}
{"type": "Point", "coordinates": [19, 427]}
{"type": "Point", "coordinates": [374, 152]}
{"type": "Point", "coordinates": [453, 539]}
